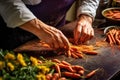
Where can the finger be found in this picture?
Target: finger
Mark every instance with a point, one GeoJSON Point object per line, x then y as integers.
{"type": "Point", "coordinates": [66, 42]}
{"type": "Point", "coordinates": [89, 36]}
{"type": "Point", "coordinates": [77, 33]}
{"type": "Point", "coordinates": [51, 45]}
{"type": "Point", "coordinates": [63, 41]}
{"type": "Point", "coordinates": [84, 38]}
{"type": "Point", "coordinates": [83, 34]}
{"type": "Point", "coordinates": [55, 43]}
{"type": "Point", "coordinates": [60, 41]}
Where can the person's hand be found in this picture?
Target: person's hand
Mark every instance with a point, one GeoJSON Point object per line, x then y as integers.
{"type": "Point", "coordinates": [83, 31]}
{"type": "Point", "coordinates": [52, 36]}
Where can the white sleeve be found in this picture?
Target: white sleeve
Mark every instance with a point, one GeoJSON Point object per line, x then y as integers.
{"type": "Point", "coordinates": [15, 13]}
{"type": "Point", "coordinates": [88, 7]}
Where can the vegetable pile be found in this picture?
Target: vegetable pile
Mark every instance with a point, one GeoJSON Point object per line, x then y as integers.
{"type": "Point", "coordinates": [79, 51]}
{"type": "Point", "coordinates": [113, 14]}
{"type": "Point", "coordinates": [18, 66]}
{"type": "Point", "coordinates": [113, 36]}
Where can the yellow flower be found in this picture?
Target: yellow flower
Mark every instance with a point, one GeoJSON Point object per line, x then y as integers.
{"type": "Point", "coordinates": [34, 61]}
{"type": "Point", "coordinates": [20, 59]}
{"type": "Point", "coordinates": [9, 56]}
{"type": "Point", "coordinates": [1, 78]}
{"type": "Point", "coordinates": [11, 66]}
{"type": "Point", "coordinates": [40, 77]}
{"type": "Point", "coordinates": [2, 64]}
{"type": "Point", "coordinates": [44, 69]}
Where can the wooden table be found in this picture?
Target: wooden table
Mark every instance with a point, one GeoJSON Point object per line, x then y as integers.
{"type": "Point", "coordinates": [108, 59]}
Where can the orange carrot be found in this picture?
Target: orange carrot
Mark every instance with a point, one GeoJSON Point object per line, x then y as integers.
{"type": "Point", "coordinates": [56, 60]}
{"type": "Point", "coordinates": [55, 76]}
{"type": "Point", "coordinates": [91, 73]}
{"type": "Point", "coordinates": [112, 37]}
{"type": "Point", "coordinates": [110, 40]}
{"type": "Point", "coordinates": [74, 55]}
{"type": "Point", "coordinates": [57, 68]}
{"type": "Point", "coordinates": [81, 72]}
{"type": "Point", "coordinates": [71, 75]}
{"type": "Point", "coordinates": [90, 52]}
{"type": "Point", "coordinates": [68, 53]}
{"type": "Point", "coordinates": [62, 78]}
{"type": "Point", "coordinates": [49, 76]}
{"type": "Point", "coordinates": [79, 55]}
{"type": "Point", "coordinates": [77, 67]}
{"type": "Point", "coordinates": [69, 68]}
{"type": "Point", "coordinates": [65, 63]}
{"type": "Point", "coordinates": [117, 39]}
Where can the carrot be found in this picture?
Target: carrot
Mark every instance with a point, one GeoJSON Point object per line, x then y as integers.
{"type": "Point", "coordinates": [116, 16]}
{"type": "Point", "coordinates": [71, 75]}
{"type": "Point", "coordinates": [56, 60]}
{"type": "Point", "coordinates": [68, 53]}
{"type": "Point", "coordinates": [49, 75]}
{"type": "Point", "coordinates": [57, 68]}
{"type": "Point", "coordinates": [112, 37]}
{"type": "Point", "coordinates": [77, 67]}
{"type": "Point", "coordinates": [117, 39]}
{"type": "Point", "coordinates": [81, 72]}
{"type": "Point", "coordinates": [73, 48]}
{"type": "Point", "coordinates": [55, 76]}
{"type": "Point", "coordinates": [74, 55]}
{"type": "Point", "coordinates": [65, 63]}
{"type": "Point", "coordinates": [60, 53]}
{"type": "Point", "coordinates": [79, 55]}
{"type": "Point", "coordinates": [62, 78]}
{"type": "Point", "coordinates": [91, 73]}
{"type": "Point", "coordinates": [90, 52]}
{"type": "Point", "coordinates": [110, 40]}
{"type": "Point", "coordinates": [69, 68]}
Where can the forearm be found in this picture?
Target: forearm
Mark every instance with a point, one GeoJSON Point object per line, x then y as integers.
{"type": "Point", "coordinates": [88, 7]}
{"type": "Point", "coordinates": [34, 26]}
{"type": "Point", "coordinates": [15, 13]}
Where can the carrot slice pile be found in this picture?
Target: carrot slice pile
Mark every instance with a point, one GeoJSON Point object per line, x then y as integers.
{"type": "Point", "coordinates": [80, 50]}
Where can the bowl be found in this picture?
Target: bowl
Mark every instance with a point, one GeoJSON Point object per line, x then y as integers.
{"type": "Point", "coordinates": [112, 15]}
{"type": "Point", "coordinates": [110, 28]}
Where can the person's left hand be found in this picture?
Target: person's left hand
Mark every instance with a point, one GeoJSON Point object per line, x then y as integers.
{"type": "Point", "coordinates": [84, 30]}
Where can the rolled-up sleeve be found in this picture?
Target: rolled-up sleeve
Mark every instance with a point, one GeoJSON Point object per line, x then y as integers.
{"type": "Point", "coordinates": [88, 7]}
{"type": "Point", "coordinates": [15, 13]}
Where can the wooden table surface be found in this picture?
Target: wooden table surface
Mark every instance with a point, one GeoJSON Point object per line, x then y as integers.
{"type": "Point", "coordinates": [108, 59]}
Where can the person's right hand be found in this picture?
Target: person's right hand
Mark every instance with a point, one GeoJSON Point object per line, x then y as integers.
{"type": "Point", "coordinates": [52, 36]}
